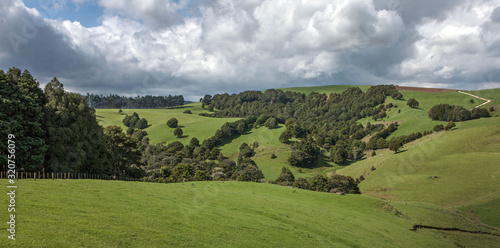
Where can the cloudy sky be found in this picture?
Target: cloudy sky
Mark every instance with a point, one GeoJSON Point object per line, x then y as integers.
{"type": "Point", "coordinates": [194, 47]}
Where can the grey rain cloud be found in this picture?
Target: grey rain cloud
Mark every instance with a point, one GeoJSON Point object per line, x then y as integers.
{"type": "Point", "coordinates": [197, 47]}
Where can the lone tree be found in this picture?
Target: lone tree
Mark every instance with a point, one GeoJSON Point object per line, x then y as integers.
{"type": "Point", "coordinates": [178, 132]}
{"type": "Point", "coordinates": [395, 145]}
{"type": "Point", "coordinates": [450, 125]}
{"type": "Point", "coordinates": [412, 103]}
{"type": "Point", "coordinates": [172, 123]}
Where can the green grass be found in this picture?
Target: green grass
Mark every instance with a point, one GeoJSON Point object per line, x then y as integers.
{"type": "Point", "coordinates": [93, 213]}
{"type": "Point", "coordinates": [268, 145]}
{"type": "Point", "coordinates": [414, 120]}
{"type": "Point", "coordinates": [192, 125]}
{"type": "Point", "coordinates": [464, 160]}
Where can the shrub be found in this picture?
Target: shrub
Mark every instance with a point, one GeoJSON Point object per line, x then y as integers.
{"type": "Point", "coordinates": [438, 127]}
{"type": "Point", "coordinates": [187, 112]}
{"type": "Point", "coordinates": [492, 109]}
{"type": "Point", "coordinates": [450, 125]}
{"type": "Point", "coordinates": [412, 103]}
{"type": "Point", "coordinates": [126, 121]}
{"type": "Point", "coordinates": [273, 156]}
{"type": "Point", "coordinates": [286, 177]}
{"type": "Point", "coordinates": [343, 184]}
{"type": "Point", "coordinates": [479, 112]}
{"type": "Point", "coordinates": [172, 123]}
{"type": "Point", "coordinates": [141, 124]}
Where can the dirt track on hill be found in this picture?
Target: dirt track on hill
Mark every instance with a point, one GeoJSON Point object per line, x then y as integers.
{"type": "Point", "coordinates": [431, 90]}
{"type": "Point", "coordinates": [484, 99]}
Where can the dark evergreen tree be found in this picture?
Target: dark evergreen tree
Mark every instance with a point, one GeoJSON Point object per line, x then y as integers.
{"type": "Point", "coordinates": [75, 139]}
{"type": "Point", "coordinates": [22, 114]}
{"type": "Point", "coordinates": [125, 152]}
{"type": "Point", "coordinates": [286, 177]}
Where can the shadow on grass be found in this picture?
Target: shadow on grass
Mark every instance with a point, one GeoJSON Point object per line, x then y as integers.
{"type": "Point", "coordinates": [182, 136]}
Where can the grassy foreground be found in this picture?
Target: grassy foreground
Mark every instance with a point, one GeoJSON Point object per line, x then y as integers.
{"type": "Point", "coordinates": [92, 213]}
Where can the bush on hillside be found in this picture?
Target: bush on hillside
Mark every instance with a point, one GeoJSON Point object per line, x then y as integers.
{"type": "Point", "coordinates": [172, 123]}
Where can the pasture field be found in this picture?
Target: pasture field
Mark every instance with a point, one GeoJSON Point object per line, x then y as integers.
{"type": "Point", "coordinates": [192, 125]}
{"type": "Point", "coordinates": [95, 213]}
{"type": "Point", "coordinates": [454, 169]}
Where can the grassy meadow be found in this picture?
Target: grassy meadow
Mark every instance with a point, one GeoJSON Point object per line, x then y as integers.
{"type": "Point", "coordinates": [192, 125]}
{"type": "Point", "coordinates": [95, 213]}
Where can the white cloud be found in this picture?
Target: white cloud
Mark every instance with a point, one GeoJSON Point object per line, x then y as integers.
{"type": "Point", "coordinates": [197, 47]}
{"type": "Point", "coordinates": [455, 48]}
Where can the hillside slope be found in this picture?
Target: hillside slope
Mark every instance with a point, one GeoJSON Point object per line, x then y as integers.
{"type": "Point", "coordinates": [453, 169]}
{"type": "Point", "coordinates": [191, 124]}
{"type": "Point", "coordinates": [93, 213]}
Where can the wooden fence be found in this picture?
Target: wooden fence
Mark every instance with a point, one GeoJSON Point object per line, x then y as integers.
{"type": "Point", "coordinates": [64, 175]}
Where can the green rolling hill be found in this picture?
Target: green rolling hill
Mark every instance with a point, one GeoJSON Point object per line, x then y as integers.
{"type": "Point", "coordinates": [446, 179]}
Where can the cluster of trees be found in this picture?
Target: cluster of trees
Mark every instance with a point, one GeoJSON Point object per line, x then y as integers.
{"type": "Point", "coordinates": [319, 182]}
{"type": "Point", "coordinates": [56, 131]}
{"type": "Point", "coordinates": [317, 120]}
{"type": "Point", "coordinates": [135, 126]}
{"type": "Point", "coordinates": [148, 101]}
{"type": "Point", "coordinates": [176, 162]}
{"type": "Point", "coordinates": [447, 112]}
{"type": "Point", "coordinates": [134, 121]}
{"type": "Point", "coordinates": [334, 184]}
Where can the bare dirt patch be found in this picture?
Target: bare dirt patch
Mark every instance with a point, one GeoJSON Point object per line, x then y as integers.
{"type": "Point", "coordinates": [419, 89]}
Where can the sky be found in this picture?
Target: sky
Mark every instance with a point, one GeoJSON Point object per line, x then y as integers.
{"type": "Point", "coordinates": [198, 47]}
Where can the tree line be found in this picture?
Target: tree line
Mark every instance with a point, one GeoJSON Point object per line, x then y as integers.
{"type": "Point", "coordinates": [138, 102]}
{"type": "Point", "coordinates": [57, 131]}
